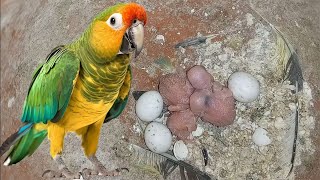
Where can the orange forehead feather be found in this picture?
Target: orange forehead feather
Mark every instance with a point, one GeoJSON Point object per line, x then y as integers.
{"type": "Point", "coordinates": [132, 11]}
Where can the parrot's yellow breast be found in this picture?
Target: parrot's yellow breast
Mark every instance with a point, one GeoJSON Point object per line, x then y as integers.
{"type": "Point", "coordinates": [81, 112]}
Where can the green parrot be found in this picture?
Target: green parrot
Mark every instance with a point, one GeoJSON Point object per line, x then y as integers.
{"type": "Point", "coordinates": [79, 87]}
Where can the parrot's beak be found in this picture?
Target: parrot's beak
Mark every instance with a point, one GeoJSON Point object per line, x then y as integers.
{"type": "Point", "coordinates": [133, 39]}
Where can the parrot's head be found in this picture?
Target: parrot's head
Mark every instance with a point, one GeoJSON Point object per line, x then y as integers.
{"type": "Point", "coordinates": [119, 30]}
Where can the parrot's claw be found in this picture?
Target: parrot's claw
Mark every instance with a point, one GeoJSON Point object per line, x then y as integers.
{"type": "Point", "coordinates": [103, 172]}
{"type": "Point", "coordinates": [52, 174]}
{"type": "Point", "coordinates": [100, 170]}
{"type": "Point", "coordinates": [64, 173]}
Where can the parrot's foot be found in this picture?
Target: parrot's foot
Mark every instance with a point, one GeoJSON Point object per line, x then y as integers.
{"type": "Point", "coordinates": [99, 169]}
{"type": "Point", "coordinates": [64, 173]}
{"type": "Point", "coordinates": [103, 172]}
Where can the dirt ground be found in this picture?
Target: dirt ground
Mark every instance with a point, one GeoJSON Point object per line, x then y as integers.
{"type": "Point", "coordinates": [29, 30]}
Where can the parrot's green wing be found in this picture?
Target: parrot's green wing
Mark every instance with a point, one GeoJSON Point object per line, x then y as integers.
{"type": "Point", "coordinates": [122, 99]}
{"type": "Point", "coordinates": [51, 87]}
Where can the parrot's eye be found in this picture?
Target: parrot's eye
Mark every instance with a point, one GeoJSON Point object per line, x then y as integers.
{"type": "Point", "coordinates": [115, 21]}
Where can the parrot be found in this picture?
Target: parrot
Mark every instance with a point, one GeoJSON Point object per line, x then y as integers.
{"type": "Point", "coordinates": [78, 88]}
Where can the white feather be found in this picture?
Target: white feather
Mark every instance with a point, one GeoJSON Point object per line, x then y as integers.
{"type": "Point", "coordinates": [7, 162]}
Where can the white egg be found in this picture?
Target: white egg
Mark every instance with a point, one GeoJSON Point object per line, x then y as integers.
{"type": "Point", "coordinates": [180, 150]}
{"type": "Point", "coordinates": [260, 137]}
{"type": "Point", "coordinates": [149, 106]}
{"type": "Point", "coordinates": [244, 86]}
{"type": "Point", "coordinates": [158, 137]}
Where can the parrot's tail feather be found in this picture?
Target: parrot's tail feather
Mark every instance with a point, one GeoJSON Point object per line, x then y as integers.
{"type": "Point", "coordinates": [22, 143]}
{"type": "Point", "coordinates": [14, 138]}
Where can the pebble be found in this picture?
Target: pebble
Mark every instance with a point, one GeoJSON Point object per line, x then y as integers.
{"type": "Point", "coordinates": [260, 137]}
{"type": "Point", "coordinates": [279, 123]}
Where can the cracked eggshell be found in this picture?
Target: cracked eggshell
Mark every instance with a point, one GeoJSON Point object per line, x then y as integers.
{"type": "Point", "coordinates": [198, 132]}
{"type": "Point", "coordinates": [260, 137]}
{"type": "Point", "coordinates": [180, 150]}
{"type": "Point", "coordinates": [149, 106]}
{"type": "Point", "coordinates": [157, 137]}
{"type": "Point", "coordinates": [244, 86]}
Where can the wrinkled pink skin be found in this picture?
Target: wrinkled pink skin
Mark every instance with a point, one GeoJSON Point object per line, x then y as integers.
{"type": "Point", "coordinates": [195, 94]}
{"type": "Point", "coordinates": [199, 77]}
{"type": "Point", "coordinates": [179, 107]}
{"type": "Point", "coordinates": [217, 108]}
{"type": "Point", "coordinates": [211, 101]}
{"type": "Point", "coordinates": [182, 123]}
{"type": "Point", "coordinates": [176, 90]}
{"type": "Point", "coordinates": [198, 101]}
